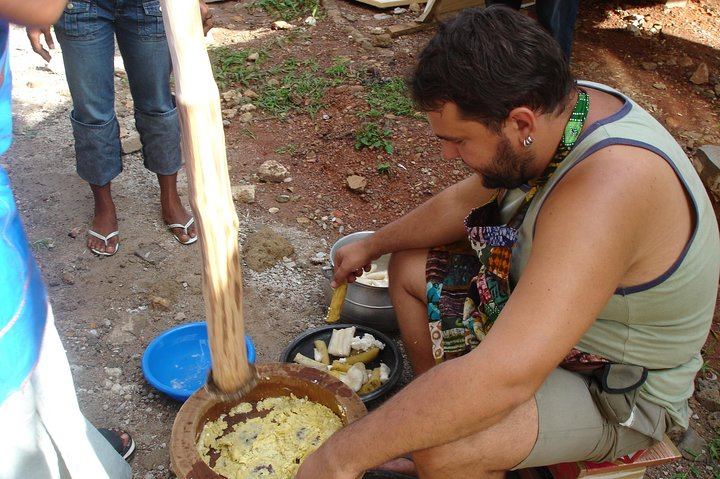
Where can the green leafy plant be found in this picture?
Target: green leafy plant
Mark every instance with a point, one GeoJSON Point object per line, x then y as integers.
{"type": "Point", "coordinates": [370, 135]}
{"type": "Point", "coordinates": [383, 168]}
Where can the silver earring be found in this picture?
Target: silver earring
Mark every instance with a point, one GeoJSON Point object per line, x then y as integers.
{"type": "Point", "coordinates": [528, 141]}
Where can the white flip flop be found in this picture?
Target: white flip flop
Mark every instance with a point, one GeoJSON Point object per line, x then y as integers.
{"type": "Point", "coordinates": [105, 240]}
{"type": "Point", "coordinates": [185, 229]}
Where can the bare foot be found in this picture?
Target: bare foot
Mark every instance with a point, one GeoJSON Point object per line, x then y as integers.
{"type": "Point", "coordinates": [173, 210]}
{"type": "Point", "coordinates": [104, 222]}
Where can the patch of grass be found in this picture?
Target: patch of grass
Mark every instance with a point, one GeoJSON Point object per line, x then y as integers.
{"type": "Point", "coordinates": [706, 368]}
{"type": "Point", "coordinates": [714, 448]}
{"type": "Point", "coordinates": [391, 96]}
{"type": "Point", "coordinates": [693, 453]}
{"type": "Point", "coordinates": [370, 135]}
{"type": "Point", "coordinates": [46, 243]}
{"type": "Point", "coordinates": [296, 86]}
{"type": "Point", "coordinates": [286, 150]}
{"type": "Point", "coordinates": [341, 70]}
{"type": "Point", "coordinates": [293, 93]}
{"type": "Point", "coordinates": [288, 9]}
{"type": "Point", "coordinates": [232, 66]}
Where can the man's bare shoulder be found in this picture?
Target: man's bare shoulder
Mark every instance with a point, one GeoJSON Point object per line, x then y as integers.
{"type": "Point", "coordinates": [633, 194]}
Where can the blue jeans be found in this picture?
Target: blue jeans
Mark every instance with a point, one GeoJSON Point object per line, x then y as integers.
{"type": "Point", "coordinates": [557, 16]}
{"type": "Point", "coordinates": [87, 32]}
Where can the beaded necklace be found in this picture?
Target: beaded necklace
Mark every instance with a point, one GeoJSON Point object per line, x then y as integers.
{"type": "Point", "coordinates": [570, 135]}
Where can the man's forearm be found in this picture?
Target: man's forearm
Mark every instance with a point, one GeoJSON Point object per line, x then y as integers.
{"type": "Point", "coordinates": [32, 12]}
{"type": "Point", "coordinates": [436, 222]}
{"type": "Point", "coordinates": [405, 424]}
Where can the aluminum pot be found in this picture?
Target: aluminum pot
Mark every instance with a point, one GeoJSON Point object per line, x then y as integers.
{"type": "Point", "coordinates": [366, 305]}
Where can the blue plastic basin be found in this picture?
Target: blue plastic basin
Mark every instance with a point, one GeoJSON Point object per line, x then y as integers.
{"type": "Point", "coordinates": [177, 362]}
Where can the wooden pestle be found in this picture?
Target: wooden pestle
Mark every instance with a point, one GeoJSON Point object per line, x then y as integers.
{"type": "Point", "coordinates": [203, 149]}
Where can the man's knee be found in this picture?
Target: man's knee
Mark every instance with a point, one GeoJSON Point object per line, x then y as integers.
{"type": "Point", "coordinates": [406, 271]}
{"type": "Point", "coordinates": [445, 462]}
{"type": "Point", "coordinates": [429, 462]}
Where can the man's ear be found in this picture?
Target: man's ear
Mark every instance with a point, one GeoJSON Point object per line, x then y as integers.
{"type": "Point", "coordinates": [521, 123]}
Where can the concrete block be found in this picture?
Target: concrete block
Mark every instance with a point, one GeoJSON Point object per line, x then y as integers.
{"type": "Point", "coordinates": [675, 3]}
{"type": "Point", "coordinates": [707, 163]}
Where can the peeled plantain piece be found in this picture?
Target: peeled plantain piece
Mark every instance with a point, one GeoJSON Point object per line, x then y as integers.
{"type": "Point", "coordinates": [340, 366]}
{"type": "Point", "coordinates": [364, 357]}
{"type": "Point", "coordinates": [372, 383]}
{"type": "Point", "coordinates": [321, 348]}
{"type": "Point", "coordinates": [341, 341]}
{"type": "Point", "coordinates": [306, 361]}
{"type": "Point", "coordinates": [336, 303]}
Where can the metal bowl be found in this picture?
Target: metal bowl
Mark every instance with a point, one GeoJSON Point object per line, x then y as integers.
{"type": "Point", "coordinates": [364, 305]}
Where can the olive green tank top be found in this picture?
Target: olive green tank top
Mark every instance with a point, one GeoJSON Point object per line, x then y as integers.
{"type": "Point", "coordinates": [663, 323]}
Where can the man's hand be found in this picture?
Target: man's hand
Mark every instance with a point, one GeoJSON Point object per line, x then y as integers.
{"type": "Point", "coordinates": [319, 466]}
{"type": "Point", "coordinates": [206, 16]}
{"type": "Point", "coordinates": [34, 34]}
{"type": "Point", "coordinates": [351, 261]}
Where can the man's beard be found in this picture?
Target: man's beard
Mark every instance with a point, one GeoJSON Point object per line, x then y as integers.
{"type": "Point", "coordinates": [508, 170]}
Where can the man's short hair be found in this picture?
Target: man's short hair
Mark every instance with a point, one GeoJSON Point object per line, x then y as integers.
{"type": "Point", "coordinates": [488, 61]}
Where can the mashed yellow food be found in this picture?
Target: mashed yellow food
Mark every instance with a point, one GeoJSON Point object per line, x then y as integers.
{"type": "Point", "coordinates": [271, 446]}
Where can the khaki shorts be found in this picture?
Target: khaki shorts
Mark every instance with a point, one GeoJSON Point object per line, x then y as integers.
{"type": "Point", "coordinates": [571, 427]}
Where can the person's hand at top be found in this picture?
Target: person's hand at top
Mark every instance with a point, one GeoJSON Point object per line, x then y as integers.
{"type": "Point", "coordinates": [34, 34]}
{"type": "Point", "coordinates": [206, 17]}
{"type": "Point", "coordinates": [351, 261]}
{"type": "Point", "coordinates": [32, 12]}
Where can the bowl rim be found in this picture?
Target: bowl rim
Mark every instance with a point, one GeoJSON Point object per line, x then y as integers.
{"type": "Point", "coordinates": [395, 374]}
{"type": "Point", "coordinates": [179, 394]}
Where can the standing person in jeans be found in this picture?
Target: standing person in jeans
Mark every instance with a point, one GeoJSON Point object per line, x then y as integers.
{"type": "Point", "coordinates": [557, 16]}
{"type": "Point", "coordinates": [87, 31]}
{"type": "Point", "coordinates": [44, 433]}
